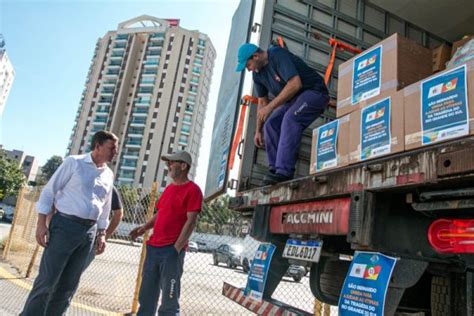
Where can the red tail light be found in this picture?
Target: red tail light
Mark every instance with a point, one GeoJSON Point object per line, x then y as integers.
{"type": "Point", "coordinates": [452, 235]}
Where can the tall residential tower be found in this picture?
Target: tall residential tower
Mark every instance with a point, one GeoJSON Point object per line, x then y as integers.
{"type": "Point", "coordinates": [149, 84]}
{"type": "Point", "coordinates": [7, 75]}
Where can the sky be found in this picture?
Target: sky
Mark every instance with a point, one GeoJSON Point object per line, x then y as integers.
{"type": "Point", "coordinates": [51, 43]}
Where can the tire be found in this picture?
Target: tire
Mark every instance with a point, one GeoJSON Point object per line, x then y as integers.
{"type": "Point", "coordinates": [450, 295]}
{"type": "Point", "coordinates": [229, 263]}
{"type": "Point", "coordinates": [216, 262]}
{"type": "Point", "coordinates": [331, 279]}
{"type": "Point", "coordinates": [440, 296]}
{"type": "Point", "coordinates": [297, 278]}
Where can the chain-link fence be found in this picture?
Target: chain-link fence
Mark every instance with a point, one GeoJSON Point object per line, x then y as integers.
{"type": "Point", "coordinates": [219, 250]}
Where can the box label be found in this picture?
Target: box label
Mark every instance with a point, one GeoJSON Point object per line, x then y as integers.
{"type": "Point", "coordinates": [326, 146]}
{"type": "Point", "coordinates": [366, 283]}
{"type": "Point", "coordinates": [259, 271]}
{"type": "Point", "coordinates": [366, 75]}
{"type": "Point", "coordinates": [444, 107]}
{"type": "Point", "coordinates": [375, 137]}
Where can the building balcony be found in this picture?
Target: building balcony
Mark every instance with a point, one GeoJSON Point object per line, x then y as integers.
{"type": "Point", "coordinates": [128, 167]}
{"type": "Point", "coordinates": [146, 83]}
{"type": "Point", "coordinates": [185, 132]}
{"type": "Point", "coordinates": [138, 123]}
{"type": "Point", "coordinates": [153, 52]}
{"type": "Point", "coordinates": [182, 143]}
{"type": "Point", "coordinates": [187, 121]}
{"type": "Point", "coordinates": [99, 123]}
{"type": "Point", "coordinates": [192, 92]}
{"type": "Point", "coordinates": [142, 103]}
{"type": "Point", "coordinates": [102, 113]}
{"type": "Point", "coordinates": [199, 55]}
{"type": "Point", "coordinates": [194, 82]}
{"type": "Point", "coordinates": [122, 180]}
{"type": "Point", "coordinates": [192, 102]}
{"type": "Point", "coordinates": [133, 144]}
{"type": "Point", "coordinates": [119, 47]}
{"type": "Point", "coordinates": [130, 156]}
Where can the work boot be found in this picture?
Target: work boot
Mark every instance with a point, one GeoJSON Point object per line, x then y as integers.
{"type": "Point", "coordinates": [271, 179]}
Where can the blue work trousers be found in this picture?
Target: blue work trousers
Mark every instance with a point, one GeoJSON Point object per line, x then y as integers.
{"type": "Point", "coordinates": [284, 128]}
{"type": "Point", "coordinates": [62, 264]}
{"type": "Point", "coordinates": [161, 274]}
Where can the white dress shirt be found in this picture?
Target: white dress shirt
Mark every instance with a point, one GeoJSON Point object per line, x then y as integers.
{"type": "Point", "coordinates": [81, 189]}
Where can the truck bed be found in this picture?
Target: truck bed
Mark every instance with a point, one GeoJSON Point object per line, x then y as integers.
{"type": "Point", "coordinates": [440, 165]}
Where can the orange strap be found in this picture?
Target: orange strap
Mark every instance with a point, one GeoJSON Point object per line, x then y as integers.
{"type": "Point", "coordinates": [327, 76]}
{"type": "Point", "coordinates": [246, 100]}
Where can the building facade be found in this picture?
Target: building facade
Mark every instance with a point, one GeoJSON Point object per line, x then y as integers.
{"type": "Point", "coordinates": [149, 84]}
{"type": "Point", "coordinates": [7, 75]}
{"type": "Point", "coordinates": [28, 164]}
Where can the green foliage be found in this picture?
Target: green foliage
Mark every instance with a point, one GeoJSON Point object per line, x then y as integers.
{"type": "Point", "coordinates": [49, 168]}
{"type": "Point", "coordinates": [217, 218]}
{"type": "Point", "coordinates": [11, 177]}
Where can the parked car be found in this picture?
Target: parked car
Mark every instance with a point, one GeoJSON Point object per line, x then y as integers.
{"type": "Point", "coordinates": [231, 255]}
{"type": "Point", "coordinates": [296, 272]}
{"type": "Point", "coordinates": [193, 246]}
{"type": "Point", "coordinates": [8, 217]}
{"type": "Point", "coordinates": [203, 247]}
{"type": "Point", "coordinates": [2, 213]}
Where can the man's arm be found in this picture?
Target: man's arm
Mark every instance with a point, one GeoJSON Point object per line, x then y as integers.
{"type": "Point", "coordinates": [114, 222]}
{"type": "Point", "coordinates": [45, 203]}
{"type": "Point", "coordinates": [140, 230]}
{"type": "Point", "coordinates": [258, 139]}
{"type": "Point", "coordinates": [186, 231]}
{"type": "Point", "coordinates": [289, 91]}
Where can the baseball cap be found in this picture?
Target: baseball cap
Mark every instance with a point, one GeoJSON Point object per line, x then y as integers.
{"type": "Point", "coordinates": [245, 52]}
{"type": "Point", "coordinates": [183, 156]}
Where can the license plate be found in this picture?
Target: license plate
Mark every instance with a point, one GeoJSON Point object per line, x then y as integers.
{"type": "Point", "coordinates": [307, 250]}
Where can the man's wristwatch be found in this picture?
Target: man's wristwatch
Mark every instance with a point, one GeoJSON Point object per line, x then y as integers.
{"type": "Point", "coordinates": [101, 233]}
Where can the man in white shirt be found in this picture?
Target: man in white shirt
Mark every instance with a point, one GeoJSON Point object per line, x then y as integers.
{"type": "Point", "coordinates": [81, 192]}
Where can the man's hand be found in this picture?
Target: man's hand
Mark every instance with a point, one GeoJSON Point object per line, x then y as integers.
{"type": "Point", "coordinates": [137, 231]}
{"type": "Point", "coordinates": [264, 112]}
{"type": "Point", "coordinates": [258, 139]}
{"type": "Point", "coordinates": [100, 244]}
{"type": "Point", "coordinates": [42, 234]}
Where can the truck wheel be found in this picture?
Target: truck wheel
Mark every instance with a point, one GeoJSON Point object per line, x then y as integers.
{"type": "Point", "coordinates": [229, 264]}
{"type": "Point", "coordinates": [216, 262]}
{"type": "Point", "coordinates": [452, 294]}
{"type": "Point", "coordinates": [440, 296]}
{"type": "Point", "coordinates": [326, 279]}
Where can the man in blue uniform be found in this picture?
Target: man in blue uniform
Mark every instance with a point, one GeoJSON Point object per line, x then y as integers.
{"type": "Point", "coordinates": [291, 95]}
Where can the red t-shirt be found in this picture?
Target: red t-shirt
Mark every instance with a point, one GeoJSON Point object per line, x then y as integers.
{"type": "Point", "coordinates": [174, 204]}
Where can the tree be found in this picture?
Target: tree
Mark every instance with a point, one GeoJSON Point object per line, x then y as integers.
{"type": "Point", "coordinates": [11, 177]}
{"type": "Point", "coordinates": [218, 218]}
{"type": "Point", "coordinates": [49, 168]}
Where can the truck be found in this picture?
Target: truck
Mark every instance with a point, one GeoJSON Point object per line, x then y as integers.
{"type": "Point", "coordinates": [396, 205]}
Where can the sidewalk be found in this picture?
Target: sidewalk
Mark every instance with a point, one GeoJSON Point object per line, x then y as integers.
{"type": "Point", "coordinates": [14, 289]}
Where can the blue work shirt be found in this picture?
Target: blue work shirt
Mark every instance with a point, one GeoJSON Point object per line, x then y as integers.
{"type": "Point", "coordinates": [282, 66]}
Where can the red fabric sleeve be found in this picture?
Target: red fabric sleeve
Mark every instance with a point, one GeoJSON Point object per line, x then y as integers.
{"type": "Point", "coordinates": [194, 203]}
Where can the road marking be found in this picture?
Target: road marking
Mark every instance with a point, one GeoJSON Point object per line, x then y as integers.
{"type": "Point", "coordinates": [15, 280]}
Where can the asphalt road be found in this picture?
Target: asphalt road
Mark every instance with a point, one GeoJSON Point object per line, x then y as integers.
{"type": "Point", "coordinates": [109, 284]}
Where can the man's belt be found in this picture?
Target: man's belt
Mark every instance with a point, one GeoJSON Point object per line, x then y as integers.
{"type": "Point", "coordinates": [83, 221]}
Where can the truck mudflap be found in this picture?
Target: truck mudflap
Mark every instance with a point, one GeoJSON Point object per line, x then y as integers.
{"type": "Point", "coordinates": [265, 307]}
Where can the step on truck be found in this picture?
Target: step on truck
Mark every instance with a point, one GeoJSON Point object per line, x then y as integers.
{"type": "Point", "coordinates": [396, 204]}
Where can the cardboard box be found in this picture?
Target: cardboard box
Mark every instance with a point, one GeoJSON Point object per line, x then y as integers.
{"type": "Point", "coordinates": [380, 71]}
{"type": "Point", "coordinates": [377, 130]}
{"type": "Point", "coordinates": [441, 56]}
{"type": "Point", "coordinates": [461, 42]}
{"type": "Point", "coordinates": [325, 138]}
{"type": "Point", "coordinates": [439, 105]}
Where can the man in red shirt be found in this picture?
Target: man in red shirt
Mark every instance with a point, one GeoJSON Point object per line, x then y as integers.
{"type": "Point", "coordinates": [177, 212]}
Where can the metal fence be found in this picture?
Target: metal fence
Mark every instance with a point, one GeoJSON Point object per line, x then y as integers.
{"type": "Point", "coordinates": [111, 282]}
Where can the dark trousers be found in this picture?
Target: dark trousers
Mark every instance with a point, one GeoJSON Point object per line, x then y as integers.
{"type": "Point", "coordinates": [161, 273]}
{"type": "Point", "coordinates": [284, 128]}
{"type": "Point", "coordinates": [62, 264]}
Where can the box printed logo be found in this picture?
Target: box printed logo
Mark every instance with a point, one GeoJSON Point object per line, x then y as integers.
{"type": "Point", "coordinates": [375, 115]}
{"type": "Point", "coordinates": [364, 271]}
{"type": "Point", "coordinates": [367, 62]}
{"type": "Point", "coordinates": [442, 88]}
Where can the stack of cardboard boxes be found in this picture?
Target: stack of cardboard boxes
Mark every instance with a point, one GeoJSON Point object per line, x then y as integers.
{"type": "Point", "coordinates": [389, 102]}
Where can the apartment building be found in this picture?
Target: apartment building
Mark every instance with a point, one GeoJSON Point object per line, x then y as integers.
{"type": "Point", "coordinates": [148, 83]}
{"type": "Point", "coordinates": [7, 75]}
